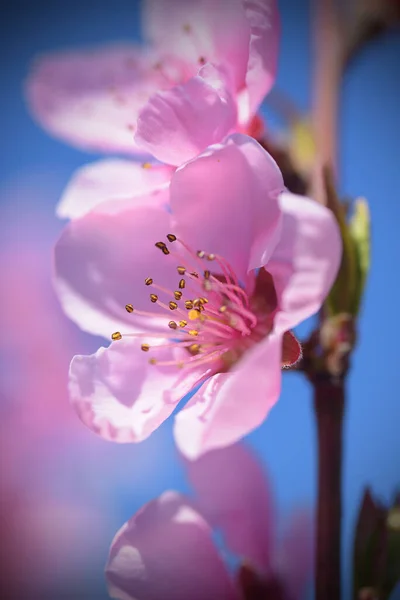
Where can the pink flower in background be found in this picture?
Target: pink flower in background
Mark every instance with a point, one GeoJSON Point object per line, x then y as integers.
{"type": "Point", "coordinates": [204, 74]}
{"type": "Point", "coordinates": [197, 309]}
{"type": "Point", "coordinates": [166, 550]}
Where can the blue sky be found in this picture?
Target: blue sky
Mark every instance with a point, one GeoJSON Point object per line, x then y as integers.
{"type": "Point", "coordinates": [369, 166]}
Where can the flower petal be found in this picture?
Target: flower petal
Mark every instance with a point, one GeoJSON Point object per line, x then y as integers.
{"type": "Point", "coordinates": [110, 179]}
{"type": "Point", "coordinates": [234, 495]}
{"type": "Point", "coordinates": [179, 123]}
{"type": "Point", "coordinates": [225, 201]}
{"type": "Point", "coordinates": [291, 349]}
{"type": "Point", "coordinates": [165, 552]}
{"type": "Point", "coordinates": [306, 260]}
{"type": "Point", "coordinates": [91, 98]}
{"type": "Point", "coordinates": [102, 261]}
{"type": "Point", "coordinates": [230, 405]}
{"type": "Point", "coordinates": [123, 398]}
{"type": "Point", "coordinates": [263, 17]}
{"type": "Point", "coordinates": [201, 31]}
{"type": "Point", "coordinates": [296, 554]}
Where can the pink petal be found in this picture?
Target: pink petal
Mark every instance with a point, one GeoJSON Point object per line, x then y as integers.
{"type": "Point", "coordinates": [234, 495]}
{"type": "Point", "coordinates": [166, 552]}
{"type": "Point", "coordinates": [263, 17]}
{"type": "Point", "coordinates": [91, 98]}
{"type": "Point", "coordinates": [120, 396]}
{"type": "Point", "coordinates": [201, 31]}
{"type": "Point", "coordinates": [226, 202]}
{"type": "Point", "coordinates": [179, 123]}
{"type": "Point", "coordinates": [102, 261]}
{"type": "Point", "coordinates": [305, 262]}
{"type": "Point", "coordinates": [110, 179]}
{"type": "Point", "coordinates": [230, 405]}
{"type": "Point", "coordinates": [297, 554]}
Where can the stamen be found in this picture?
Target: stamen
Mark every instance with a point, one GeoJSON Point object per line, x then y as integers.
{"type": "Point", "coordinates": [182, 284]}
{"type": "Point", "coordinates": [171, 237]}
{"type": "Point", "coordinates": [194, 314]}
{"type": "Point", "coordinates": [189, 304]}
{"type": "Point", "coordinates": [181, 270]}
{"type": "Point", "coordinates": [194, 349]}
{"type": "Point", "coordinates": [173, 305]}
{"type": "Point", "coordinates": [153, 298]}
{"type": "Point", "coordinates": [178, 295]}
{"type": "Point", "coordinates": [129, 308]}
{"type": "Point", "coordinates": [172, 325]}
{"type": "Point", "coordinates": [116, 336]}
{"type": "Point", "coordinates": [162, 246]}
{"type": "Point", "coordinates": [148, 281]}
{"type": "Point", "coordinates": [145, 347]}
{"type": "Point", "coordinates": [182, 323]}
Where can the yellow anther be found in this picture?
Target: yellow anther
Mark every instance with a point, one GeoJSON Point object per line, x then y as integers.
{"type": "Point", "coordinates": [116, 336]}
{"type": "Point", "coordinates": [189, 304]}
{"type": "Point", "coordinates": [148, 281]}
{"type": "Point", "coordinates": [182, 284]}
{"type": "Point", "coordinates": [171, 237]}
{"type": "Point", "coordinates": [182, 323]}
{"type": "Point", "coordinates": [153, 297]}
{"type": "Point", "coordinates": [222, 308]}
{"type": "Point", "coordinates": [207, 274]}
{"type": "Point", "coordinates": [129, 308]}
{"type": "Point", "coordinates": [194, 349]}
{"type": "Point", "coordinates": [210, 256]}
{"type": "Point", "coordinates": [178, 295]}
{"type": "Point", "coordinates": [145, 347]}
{"type": "Point", "coordinates": [146, 165]}
{"type": "Point", "coordinates": [193, 332]}
{"type": "Point", "coordinates": [165, 250]}
{"type": "Point", "coordinates": [203, 300]}
{"type": "Point", "coordinates": [201, 253]}
{"type": "Point", "coordinates": [152, 361]}
{"type": "Point", "coordinates": [160, 245]}
{"type": "Point", "coordinates": [172, 325]}
{"type": "Point", "coordinates": [173, 305]}
{"type": "Point", "coordinates": [181, 270]}
{"type": "Point", "coordinates": [194, 314]}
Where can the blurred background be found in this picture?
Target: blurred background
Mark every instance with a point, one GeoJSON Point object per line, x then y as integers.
{"type": "Point", "coordinates": [65, 492]}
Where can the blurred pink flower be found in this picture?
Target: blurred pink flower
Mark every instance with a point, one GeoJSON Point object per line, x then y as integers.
{"type": "Point", "coordinates": [93, 98]}
{"type": "Point", "coordinates": [206, 71]}
{"type": "Point", "coordinates": [231, 322]}
{"type": "Point", "coordinates": [44, 507]}
{"type": "Point", "coordinates": [166, 550]}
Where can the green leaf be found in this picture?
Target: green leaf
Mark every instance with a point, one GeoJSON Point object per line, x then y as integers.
{"type": "Point", "coordinates": [360, 231]}
{"type": "Point", "coordinates": [342, 294]}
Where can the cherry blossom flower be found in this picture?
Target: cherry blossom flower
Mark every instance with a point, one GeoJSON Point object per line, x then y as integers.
{"type": "Point", "coordinates": [166, 550]}
{"type": "Point", "coordinates": [92, 98]}
{"type": "Point", "coordinates": [204, 73]}
{"type": "Point", "coordinates": [211, 290]}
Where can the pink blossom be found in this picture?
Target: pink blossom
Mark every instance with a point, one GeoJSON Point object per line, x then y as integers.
{"type": "Point", "coordinates": [166, 550]}
{"type": "Point", "coordinates": [213, 306]}
{"type": "Point", "coordinates": [93, 98]}
{"type": "Point", "coordinates": [203, 75]}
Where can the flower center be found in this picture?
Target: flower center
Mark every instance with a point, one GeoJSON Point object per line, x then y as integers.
{"type": "Point", "coordinates": [216, 320]}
